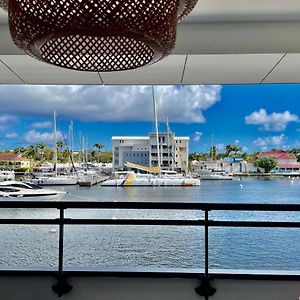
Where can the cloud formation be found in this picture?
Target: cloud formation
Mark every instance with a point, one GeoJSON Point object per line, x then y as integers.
{"type": "Point", "coordinates": [197, 136]}
{"type": "Point", "coordinates": [183, 104]}
{"type": "Point", "coordinates": [11, 135]}
{"type": "Point", "coordinates": [272, 141]}
{"type": "Point", "coordinates": [271, 122]}
{"type": "Point", "coordinates": [41, 125]}
{"type": "Point", "coordinates": [36, 137]}
{"type": "Point", "coordinates": [6, 120]}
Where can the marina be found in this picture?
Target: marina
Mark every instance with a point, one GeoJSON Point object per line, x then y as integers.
{"type": "Point", "coordinates": [104, 200]}
{"type": "Point", "coordinates": [179, 247]}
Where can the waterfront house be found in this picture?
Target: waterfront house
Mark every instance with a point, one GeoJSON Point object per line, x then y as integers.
{"type": "Point", "coordinates": [14, 161]}
{"type": "Point", "coordinates": [230, 165]}
{"type": "Point", "coordinates": [286, 162]}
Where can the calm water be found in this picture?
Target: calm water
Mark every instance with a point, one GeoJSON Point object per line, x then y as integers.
{"type": "Point", "coordinates": [157, 246]}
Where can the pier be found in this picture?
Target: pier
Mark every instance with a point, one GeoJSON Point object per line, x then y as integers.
{"type": "Point", "coordinates": [91, 180]}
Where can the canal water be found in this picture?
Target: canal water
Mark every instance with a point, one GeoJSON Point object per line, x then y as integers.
{"type": "Point", "coordinates": [98, 247]}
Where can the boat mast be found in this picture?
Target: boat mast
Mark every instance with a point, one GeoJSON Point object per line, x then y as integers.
{"type": "Point", "coordinates": [212, 147]}
{"type": "Point", "coordinates": [156, 130]}
{"type": "Point", "coordinates": [54, 144]}
{"type": "Point", "coordinates": [168, 142]}
{"type": "Point", "coordinates": [72, 140]}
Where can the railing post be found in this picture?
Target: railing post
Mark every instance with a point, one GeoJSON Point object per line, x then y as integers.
{"type": "Point", "coordinates": [206, 290]}
{"type": "Point", "coordinates": [62, 287]}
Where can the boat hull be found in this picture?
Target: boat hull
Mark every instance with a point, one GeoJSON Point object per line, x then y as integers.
{"type": "Point", "coordinates": [153, 182]}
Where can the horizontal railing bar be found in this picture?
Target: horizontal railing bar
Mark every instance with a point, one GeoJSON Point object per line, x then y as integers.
{"type": "Point", "coordinates": [149, 205]}
{"type": "Point", "coordinates": [147, 222]}
{"type": "Point", "coordinates": [101, 222]}
{"type": "Point", "coordinates": [163, 222]}
{"type": "Point", "coordinates": [29, 221]}
{"type": "Point", "coordinates": [158, 273]}
{"type": "Point", "coordinates": [254, 224]}
{"type": "Point", "coordinates": [134, 222]}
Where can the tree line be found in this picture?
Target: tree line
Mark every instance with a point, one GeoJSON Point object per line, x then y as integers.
{"type": "Point", "coordinates": [41, 153]}
{"type": "Point", "coordinates": [236, 151]}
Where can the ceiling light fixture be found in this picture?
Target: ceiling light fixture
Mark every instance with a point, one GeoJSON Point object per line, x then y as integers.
{"type": "Point", "coordinates": [96, 35]}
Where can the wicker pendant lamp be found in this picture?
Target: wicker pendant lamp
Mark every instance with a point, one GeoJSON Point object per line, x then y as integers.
{"type": "Point", "coordinates": [96, 35]}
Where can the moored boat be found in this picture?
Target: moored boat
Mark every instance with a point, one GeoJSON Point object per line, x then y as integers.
{"type": "Point", "coordinates": [215, 175]}
{"type": "Point", "coordinates": [16, 189]}
{"type": "Point", "coordinates": [7, 175]}
{"type": "Point", "coordinates": [130, 178]}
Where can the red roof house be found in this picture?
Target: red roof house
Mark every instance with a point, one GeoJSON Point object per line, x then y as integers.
{"type": "Point", "coordinates": [285, 161]}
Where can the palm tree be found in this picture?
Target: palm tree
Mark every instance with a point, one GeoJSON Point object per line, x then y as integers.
{"type": "Point", "coordinates": [31, 151]}
{"type": "Point", "coordinates": [41, 148]}
{"type": "Point", "coordinates": [20, 150]}
{"type": "Point", "coordinates": [213, 152]}
{"type": "Point", "coordinates": [59, 145]}
{"type": "Point", "coordinates": [228, 150]}
{"type": "Point", "coordinates": [236, 149]}
{"type": "Point", "coordinates": [99, 146]}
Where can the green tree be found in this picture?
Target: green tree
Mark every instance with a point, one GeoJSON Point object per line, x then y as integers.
{"type": "Point", "coordinates": [213, 152]}
{"type": "Point", "coordinates": [267, 163]}
{"type": "Point", "coordinates": [41, 148]}
{"type": "Point", "coordinates": [228, 150]}
{"type": "Point", "coordinates": [99, 146]}
{"type": "Point", "coordinates": [31, 152]}
{"type": "Point", "coordinates": [59, 145]}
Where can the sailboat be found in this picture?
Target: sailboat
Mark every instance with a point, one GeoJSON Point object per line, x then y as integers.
{"type": "Point", "coordinates": [151, 176]}
{"type": "Point", "coordinates": [55, 178]}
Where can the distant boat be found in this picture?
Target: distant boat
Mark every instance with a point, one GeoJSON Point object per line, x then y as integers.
{"type": "Point", "coordinates": [7, 175]}
{"type": "Point", "coordinates": [52, 178]}
{"type": "Point", "coordinates": [214, 175]}
{"type": "Point", "coordinates": [16, 189]}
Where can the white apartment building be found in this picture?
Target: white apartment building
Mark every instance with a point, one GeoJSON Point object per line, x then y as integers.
{"type": "Point", "coordinates": [143, 151]}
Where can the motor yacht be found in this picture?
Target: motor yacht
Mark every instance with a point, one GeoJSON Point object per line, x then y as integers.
{"type": "Point", "coordinates": [16, 189]}
{"type": "Point", "coordinates": [215, 175]}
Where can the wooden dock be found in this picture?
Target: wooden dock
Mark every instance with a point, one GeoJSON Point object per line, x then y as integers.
{"type": "Point", "coordinates": [90, 180]}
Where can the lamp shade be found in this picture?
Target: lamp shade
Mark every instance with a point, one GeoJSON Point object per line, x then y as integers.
{"type": "Point", "coordinates": [96, 35]}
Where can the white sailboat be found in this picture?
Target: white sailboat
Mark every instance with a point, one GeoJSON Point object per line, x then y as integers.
{"type": "Point", "coordinates": [154, 175]}
{"type": "Point", "coordinates": [55, 179]}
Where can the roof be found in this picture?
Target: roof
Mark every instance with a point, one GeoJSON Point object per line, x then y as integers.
{"type": "Point", "coordinates": [278, 154]}
{"type": "Point", "coordinates": [217, 44]}
{"type": "Point", "coordinates": [130, 138]}
{"type": "Point", "coordinates": [12, 157]}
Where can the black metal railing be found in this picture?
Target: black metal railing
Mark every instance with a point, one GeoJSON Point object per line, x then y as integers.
{"type": "Point", "coordinates": [205, 289]}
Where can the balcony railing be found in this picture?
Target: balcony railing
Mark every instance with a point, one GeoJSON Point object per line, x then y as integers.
{"type": "Point", "coordinates": [205, 289]}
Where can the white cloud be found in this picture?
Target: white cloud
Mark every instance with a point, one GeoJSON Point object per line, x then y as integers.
{"type": "Point", "coordinates": [11, 135]}
{"type": "Point", "coordinates": [197, 136]}
{"type": "Point", "coordinates": [6, 120]}
{"type": "Point", "coordinates": [271, 122]}
{"type": "Point", "coordinates": [272, 141]}
{"type": "Point", "coordinates": [41, 125]}
{"type": "Point", "coordinates": [36, 137]}
{"type": "Point", "coordinates": [183, 104]}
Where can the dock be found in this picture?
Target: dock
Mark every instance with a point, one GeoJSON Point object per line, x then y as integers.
{"type": "Point", "coordinates": [91, 180]}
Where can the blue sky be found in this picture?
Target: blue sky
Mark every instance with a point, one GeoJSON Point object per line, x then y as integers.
{"type": "Point", "coordinates": [257, 117]}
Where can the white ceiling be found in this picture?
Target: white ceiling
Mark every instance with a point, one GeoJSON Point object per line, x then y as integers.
{"type": "Point", "coordinates": [221, 42]}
